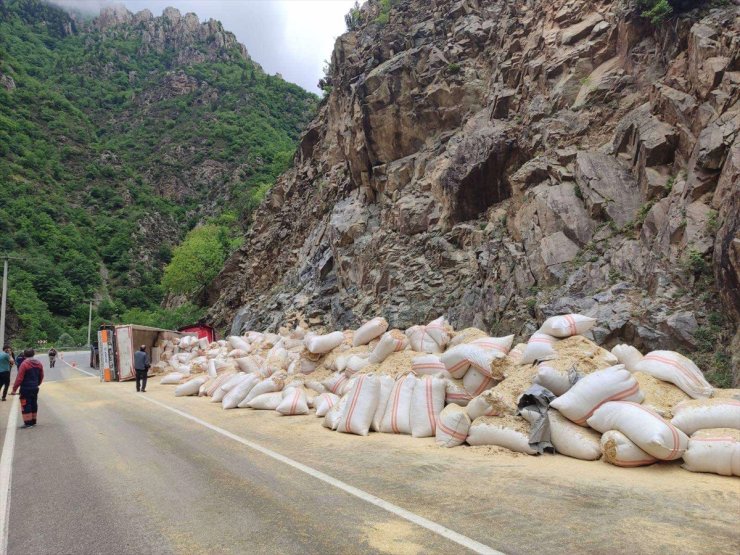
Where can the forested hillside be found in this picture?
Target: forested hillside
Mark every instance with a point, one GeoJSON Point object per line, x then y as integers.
{"type": "Point", "coordinates": [117, 136]}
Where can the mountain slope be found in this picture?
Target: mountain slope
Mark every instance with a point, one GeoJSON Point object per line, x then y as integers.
{"type": "Point", "coordinates": [500, 162]}
{"type": "Point", "coordinates": [118, 135]}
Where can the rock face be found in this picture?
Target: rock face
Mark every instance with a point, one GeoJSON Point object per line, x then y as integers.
{"type": "Point", "coordinates": [183, 33]}
{"type": "Point", "coordinates": [495, 161]}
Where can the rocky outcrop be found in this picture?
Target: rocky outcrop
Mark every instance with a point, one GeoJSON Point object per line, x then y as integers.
{"type": "Point", "coordinates": [193, 41]}
{"type": "Point", "coordinates": [495, 161]}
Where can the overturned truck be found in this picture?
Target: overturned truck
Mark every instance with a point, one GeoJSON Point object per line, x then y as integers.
{"type": "Point", "coordinates": [117, 345]}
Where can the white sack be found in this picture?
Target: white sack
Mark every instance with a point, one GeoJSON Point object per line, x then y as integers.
{"type": "Point", "coordinates": [486, 431]}
{"type": "Point", "coordinates": [306, 366]}
{"type": "Point", "coordinates": [432, 338]}
{"type": "Point", "coordinates": [476, 382]}
{"type": "Point", "coordinates": [215, 384]}
{"type": "Point", "coordinates": [355, 363]}
{"type": "Point", "coordinates": [397, 417]}
{"type": "Point", "coordinates": [480, 356]}
{"type": "Point", "coordinates": [266, 401]}
{"type": "Point", "coordinates": [236, 395]}
{"type": "Point", "coordinates": [190, 387]}
{"type": "Point", "coordinates": [456, 393]}
{"type": "Point", "coordinates": [204, 387]}
{"type": "Point", "coordinates": [268, 385]}
{"type": "Point", "coordinates": [427, 401]}
{"type": "Point", "coordinates": [500, 344]}
{"type": "Point", "coordinates": [293, 402]}
{"type": "Point", "coordinates": [557, 381]}
{"type": "Point", "coordinates": [324, 402]}
{"type": "Point", "coordinates": [237, 342]}
{"type": "Point", "coordinates": [714, 450]}
{"type": "Point", "coordinates": [620, 451]}
{"type": "Point", "coordinates": [247, 364]}
{"type": "Point", "coordinates": [590, 392]}
{"type": "Point", "coordinates": [456, 360]}
{"type": "Point", "coordinates": [369, 331]}
{"type": "Point", "coordinates": [172, 378]}
{"type": "Point", "coordinates": [428, 365]}
{"type": "Point", "coordinates": [539, 347]}
{"type": "Point", "coordinates": [227, 386]}
{"type": "Point", "coordinates": [212, 369]}
{"type": "Point", "coordinates": [643, 426]}
{"type": "Point", "coordinates": [389, 343]}
{"type": "Point", "coordinates": [477, 407]}
{"type": "Point", "coordinates": [567, 325]}
{"type": "Point", "coordinates": [627, 355]}
{"type": "Point", "coordinates": [318, 387]}
{"type": "Point", "coordinates": [384, 393]}
{"type": "Point", "coordinates": [331, 420]}
{"type": "Point", "coordinates": [321, 344]}
{"type": "Point", "coordinates": [452, 426]}
{"type": "Point", "coordinates": [572, 440]}
{"type": "Point", "coordinates": [361, 405]}
{"type": "Point", "coordinates": [691, 416]}
{"type": "Point", "coordinates": [677, 369]}
{"type": "Point", "coordinates": [335, 383]}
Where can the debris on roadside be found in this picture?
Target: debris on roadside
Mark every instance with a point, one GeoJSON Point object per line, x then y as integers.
{"type": "Point", "coordinates": [464, 388]}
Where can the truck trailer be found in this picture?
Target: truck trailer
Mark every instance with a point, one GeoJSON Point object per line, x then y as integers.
{"type": "Point", "coordinates": [117, 345]}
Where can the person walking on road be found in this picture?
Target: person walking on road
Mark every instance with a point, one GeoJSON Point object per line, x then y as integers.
{"type": "Point", "coordinates": [6, 363]}
{"type": "Point", "coordinates": [141, 365]}
{"type": "Point", "coordinates": [30, 376]}
{"type": "Point", "coordinates": [52, 357]}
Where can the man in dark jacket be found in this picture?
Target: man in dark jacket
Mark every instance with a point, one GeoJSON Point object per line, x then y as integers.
{"type": "Point", "coordinates": [6, 364]}
{"type": "Point", "coordinates": [141, 365]}
{"type": "Point", "coordinates": [30, 376]}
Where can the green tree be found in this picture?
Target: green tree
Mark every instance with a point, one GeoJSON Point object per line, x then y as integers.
{"type": "Point", "coordinates": [196, 261]}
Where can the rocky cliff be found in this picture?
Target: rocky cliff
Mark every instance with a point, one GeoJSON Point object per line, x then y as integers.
{"type": "Point", "coordinates": [499, 162]}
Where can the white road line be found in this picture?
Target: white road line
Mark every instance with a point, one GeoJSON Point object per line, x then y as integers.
{"type": "Point", "coordinates": [451, 535]}
{"type": "Point", "coordinates": [79, 369]}
{"type": "Point", "coordinates": [6, 471]}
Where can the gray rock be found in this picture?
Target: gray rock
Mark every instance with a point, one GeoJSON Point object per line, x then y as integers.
{"type": "Point", "coordinates": [608, 189]}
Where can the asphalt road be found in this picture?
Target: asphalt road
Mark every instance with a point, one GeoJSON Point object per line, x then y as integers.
{"type": "Point", "coordinates": [108, 470]}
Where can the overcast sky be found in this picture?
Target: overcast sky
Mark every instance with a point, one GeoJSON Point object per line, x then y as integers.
{"type": "Point", "coordinates": [290, 37]}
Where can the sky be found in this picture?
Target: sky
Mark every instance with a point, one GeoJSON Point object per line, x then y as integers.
{"type": "Point", "coordinates": [290, 37]}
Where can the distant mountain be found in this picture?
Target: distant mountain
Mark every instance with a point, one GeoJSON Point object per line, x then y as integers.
{"type": "Point", "coordinates": [117, 136]}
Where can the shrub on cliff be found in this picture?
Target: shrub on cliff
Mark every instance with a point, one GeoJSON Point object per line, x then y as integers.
{"type": "Point", "coordinates": [197, 260]}
{"type": "Point", "coordinates": [658, 10]}
{"type": "Point", "coordinates": [354, 18]}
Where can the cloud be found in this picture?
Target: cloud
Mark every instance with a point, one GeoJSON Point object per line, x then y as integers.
{"type": "Point", "coordinates": [290, 37]}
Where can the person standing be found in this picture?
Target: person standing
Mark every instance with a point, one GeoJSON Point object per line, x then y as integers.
{"type": "Point", "coordinates": [141, 365]}
{"type": "Point", "coordinates": [6, 363]}
{"type": "Point", "coordinates": [29, 379]}
{"type": "Point", "coordinates": [52, 357]}
{"type": "Point", "coordinates": [18, 360]}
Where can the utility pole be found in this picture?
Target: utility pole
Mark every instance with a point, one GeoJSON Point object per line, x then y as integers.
{"type": "Point", "coordinates": [4, 302]}
{"type": "Point", "coordinates": [5, 258]}
{"type": "Point", "coordinates": [89, 325]}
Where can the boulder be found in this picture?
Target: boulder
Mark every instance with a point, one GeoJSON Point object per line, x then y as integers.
{"type": "Point", "coordinates": [608, 188]}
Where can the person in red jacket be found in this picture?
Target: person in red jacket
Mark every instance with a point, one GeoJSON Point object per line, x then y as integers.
{"type": "Point", "coordinates": [30, 376]}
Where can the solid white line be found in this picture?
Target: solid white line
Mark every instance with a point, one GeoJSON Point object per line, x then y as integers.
{"type": "Point", "coordinates": [6, 471]}
{"type": "Point", "coordinates": [370, 498]}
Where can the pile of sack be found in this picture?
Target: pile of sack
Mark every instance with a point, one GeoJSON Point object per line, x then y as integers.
{"type": "Point", "coordinates": [558, 392]}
